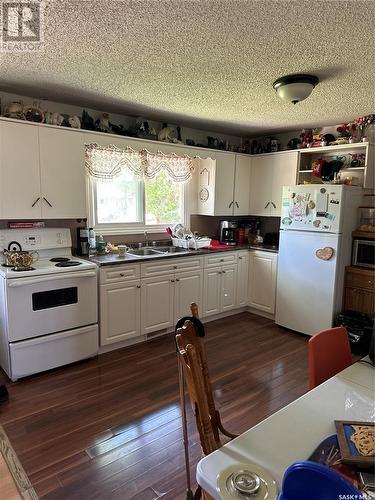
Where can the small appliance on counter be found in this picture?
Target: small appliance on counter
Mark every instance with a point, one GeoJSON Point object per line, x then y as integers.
{"type": "Point", "coordinates": [228, 232]}
{"type": "Point", "coordinates": [82, 241]}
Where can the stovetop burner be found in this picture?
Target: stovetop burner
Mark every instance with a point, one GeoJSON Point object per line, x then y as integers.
{"type": "Point", "coordinates": [69, 263]}
{"type": "Point", "coordinates": [60, 259]}
{"type": "Point", "coordinates": [21, 269]}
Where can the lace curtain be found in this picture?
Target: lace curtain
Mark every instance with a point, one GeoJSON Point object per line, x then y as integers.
{"type": "Point", "coordinates": [108, 162]}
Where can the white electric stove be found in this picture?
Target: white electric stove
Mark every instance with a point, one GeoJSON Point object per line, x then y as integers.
{"type": "Point", "coordinates": [48, 313]}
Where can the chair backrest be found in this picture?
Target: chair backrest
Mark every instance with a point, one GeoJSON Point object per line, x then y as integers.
{"type": "Point", "coordinates": [328, 353]}
{"type": "Point", "coordinates": [190, 360]}
{"type": "Point", "coordinates": [200, 347]}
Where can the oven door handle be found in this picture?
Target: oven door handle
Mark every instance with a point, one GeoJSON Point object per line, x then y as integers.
{"type": "Point", "coordinates": [53, 277]}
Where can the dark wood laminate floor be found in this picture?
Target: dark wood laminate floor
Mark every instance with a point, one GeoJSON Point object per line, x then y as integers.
{"type": "Point", "coordinates": [110, 427]}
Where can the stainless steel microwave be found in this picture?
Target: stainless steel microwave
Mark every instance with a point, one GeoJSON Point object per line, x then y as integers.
{"type": "Point", "coordinates": [363, 253]}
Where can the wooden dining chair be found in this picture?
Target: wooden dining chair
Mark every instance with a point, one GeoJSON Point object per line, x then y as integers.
{"type": "Point", "coordinates": [328, 354]}
{"type": "Point", "coordinates": [193, 368]}
{"type": "Point", "coordinates": [191, 337]}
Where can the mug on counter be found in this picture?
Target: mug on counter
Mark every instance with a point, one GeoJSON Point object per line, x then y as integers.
{"type": "Point", "coordinates": [122, 250]}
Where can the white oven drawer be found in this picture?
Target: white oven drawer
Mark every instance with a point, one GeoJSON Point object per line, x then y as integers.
{"type": "Point", "coordinates": [37, 355]}
{"type": "Point", "coordinates": [49, 304]}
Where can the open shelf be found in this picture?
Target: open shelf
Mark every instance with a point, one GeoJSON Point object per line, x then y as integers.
{"type": "Point", "coordinates": [329, 149]}
{"type": "Point", "coordinates": [362, 175]}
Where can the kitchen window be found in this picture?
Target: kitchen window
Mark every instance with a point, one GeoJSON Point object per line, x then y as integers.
{"type": "Point", "coordinates": [128, 202]}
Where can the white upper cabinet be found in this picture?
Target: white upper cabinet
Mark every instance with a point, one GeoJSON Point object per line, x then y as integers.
{"type": "Point", "coordinates": [224, 184]}
{"type": "Point", "coordinates": [42, 172]}
{"type": "Point", "coordinates": [20, 196]}
{"type": "Point", "coordinates": [261, 185]}
{"type": "Point", "coordinates": [269, 173]}
{"type": "Point", "coordinates": [242, 185]}
{"type": "Point", "coordinates": [62, 168]}
{"type": "Point", "coordinates": [284, 174]}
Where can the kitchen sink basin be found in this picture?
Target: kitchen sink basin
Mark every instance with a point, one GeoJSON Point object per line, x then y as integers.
{"type": "Point", "coordinates": [143, 251]}
{"type": "Point", "coordinates": [172, 250]}
{"type": "Point", "coordinates": [157, 251]}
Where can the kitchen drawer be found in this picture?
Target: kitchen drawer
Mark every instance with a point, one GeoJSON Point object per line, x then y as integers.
{"type": "Point", "coordinates": [115, 273]}
{"type": "Point", "coordinates": [221, 258]}
{"type": "Point", "coordinates": [364, 279]}
{"type": "Point", "coordinates": [166, 266]}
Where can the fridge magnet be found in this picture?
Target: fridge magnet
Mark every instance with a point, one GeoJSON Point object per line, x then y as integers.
{"type": "Point", "coordinates": [325, 253]}
{"type": "Point", "coordinates": [311, 205]}
{"type": "Point", "coordinates": [287, 221]}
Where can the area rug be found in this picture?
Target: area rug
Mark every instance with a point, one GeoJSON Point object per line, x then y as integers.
{"type": "Point", "coordinates": [19, 475]}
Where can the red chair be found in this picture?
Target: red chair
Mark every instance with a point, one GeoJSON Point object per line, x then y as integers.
{"type": "Point", "coordinates": [329, 353]}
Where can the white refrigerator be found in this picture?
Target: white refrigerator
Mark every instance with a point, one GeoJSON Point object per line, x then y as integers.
{"type": "Point", "coordinates": [315, 246]}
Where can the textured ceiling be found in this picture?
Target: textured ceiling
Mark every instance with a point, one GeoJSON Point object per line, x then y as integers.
{"type": "Point", "coordinates": [206, 63]}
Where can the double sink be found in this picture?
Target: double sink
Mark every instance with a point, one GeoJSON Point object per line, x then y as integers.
{"type": "Point", "coordinates": [158, 251]}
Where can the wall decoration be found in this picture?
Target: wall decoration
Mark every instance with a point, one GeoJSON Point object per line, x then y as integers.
{"type": "Point", "coordinates": [33, 113]}
{"type": "Point", "coordinates": [74, 121]}
{"type": "Point", "coordinates": [166, 133]}
{"type": "Point", "coordinates": [14, 110]}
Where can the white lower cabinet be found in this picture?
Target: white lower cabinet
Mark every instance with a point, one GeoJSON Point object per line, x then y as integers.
{"type": "Point", "coordinates": [139, 299]}
{"type": "Point", "coordinates": [262, 280]}
{"type": "Point", "coordinates": [188, 288]}
{"type": "Point", "coordinates": [242, 278]}
{"type": "Point", "coordinates": [212, 291]}
{"type": "Point", "coordinates": [219, 289]}
{"type": "Point", "coordinates": [157, 296]}
{"type": "Point", "coordinates": [120, 311]}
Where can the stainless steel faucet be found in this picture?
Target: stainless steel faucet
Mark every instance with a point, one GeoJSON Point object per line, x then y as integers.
{"type": "Point", "coordinates": [146, 238]}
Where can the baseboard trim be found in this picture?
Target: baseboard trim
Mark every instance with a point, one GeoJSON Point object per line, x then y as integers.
{"type": "Point", "coordinates": [160, 333]}
{"type": "Point", "coordinates": [258, 312]}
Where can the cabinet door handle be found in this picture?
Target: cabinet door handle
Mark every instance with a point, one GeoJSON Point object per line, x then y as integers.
{"type": "Point", "coordinates": [267, 205]}
{"type": "Point", "coordinates": [237, 204]}
{"type": "Point", "coordinates": [219, 272]}
{"type": "Point", "coordinates": [224, 272]}
{"type": "Point", "coordinates": [172, 281]}
{"type": "Point", "coordinates": [122, 275]}
{"type": "Point", "coordinates": [221, 260]}
{"type": "Point", "coordinates": [240, 258]}
{"type": "Point", "coordinates": [174, 267]}
{"type": "Point", "coordinates": [177, 279]}
{"type": "Point", "coordinates": [230, 204]}
{"type": "Point", "coordinates": [48, 203]}
{"type": "Point", "coordinates": [138, 286]}
{"type": "Point", "coordinates": [35, 202]}
{"type": "Point", "coordinates": [274, 206]}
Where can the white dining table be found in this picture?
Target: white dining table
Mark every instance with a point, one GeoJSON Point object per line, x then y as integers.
{"type": "Point", "coordinates": [292, 433]}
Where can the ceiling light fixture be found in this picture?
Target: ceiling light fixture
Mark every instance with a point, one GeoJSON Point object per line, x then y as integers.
{"type": "Point", "coordinates": [295, 88]}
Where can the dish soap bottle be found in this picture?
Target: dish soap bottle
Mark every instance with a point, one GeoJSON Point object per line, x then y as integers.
{"type": "Point", "coordinates": [101, 246]}
{"type": "Point", "coordinates": [92, 241]}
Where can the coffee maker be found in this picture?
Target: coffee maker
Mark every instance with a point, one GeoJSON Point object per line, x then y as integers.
{"type": "Point", "coordinates": [228, 232]}
{"type": "Point", "coordinates": [82, 241]}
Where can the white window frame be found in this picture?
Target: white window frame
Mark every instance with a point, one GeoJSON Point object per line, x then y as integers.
{"type": "Point", "coordinates": [132, 227]}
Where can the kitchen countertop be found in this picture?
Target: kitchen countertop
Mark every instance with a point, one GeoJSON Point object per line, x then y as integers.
{"type": "Point", "coordinates": [113, 259]}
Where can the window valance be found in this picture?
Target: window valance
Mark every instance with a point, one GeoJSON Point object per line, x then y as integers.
{"type": "Point", "coordinates": [108, 162]}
